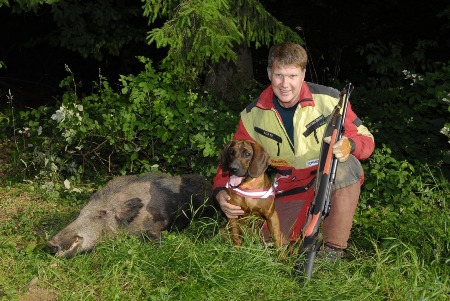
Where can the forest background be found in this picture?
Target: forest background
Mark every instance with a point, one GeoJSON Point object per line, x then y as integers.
{"type": "Point", "coordinates": [99, 55]}
{"type": "Point", "coordinates": [95, 89]}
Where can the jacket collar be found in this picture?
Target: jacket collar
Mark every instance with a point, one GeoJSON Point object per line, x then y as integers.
{"type": "Point", "coordinates": [266, 97]}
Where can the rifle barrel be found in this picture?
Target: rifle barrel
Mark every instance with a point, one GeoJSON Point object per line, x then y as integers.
{"type": "Point", "coordinates": [327, 171]}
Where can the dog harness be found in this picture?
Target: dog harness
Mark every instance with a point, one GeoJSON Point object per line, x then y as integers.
{"type": "Point", "coordinates": [260, 193]}
{"type": "Point", "coordinates": [245, 189]}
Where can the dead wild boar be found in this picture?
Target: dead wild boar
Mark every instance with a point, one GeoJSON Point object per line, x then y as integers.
{"type": "Point", "coordinates": [138, 205]}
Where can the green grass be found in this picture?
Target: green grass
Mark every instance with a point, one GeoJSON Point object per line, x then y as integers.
{"type": "Point", "coordinates": [195, 264]}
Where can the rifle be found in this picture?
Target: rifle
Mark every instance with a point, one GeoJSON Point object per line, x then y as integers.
{"type": "Point", "coordinates": [320, 206]}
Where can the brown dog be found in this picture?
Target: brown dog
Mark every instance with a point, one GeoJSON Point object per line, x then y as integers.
{"type": "Point", "coordinates": [249, 186]}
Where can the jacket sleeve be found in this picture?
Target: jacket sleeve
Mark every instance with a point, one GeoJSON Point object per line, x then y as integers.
{"type": "Point", "coordinates": [359, 134]}
{"type": "Point", "coordinates": [221, 179]}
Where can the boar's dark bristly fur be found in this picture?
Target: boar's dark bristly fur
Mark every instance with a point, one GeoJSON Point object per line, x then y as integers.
{"type": "Point", "coordinates": [139, 205]}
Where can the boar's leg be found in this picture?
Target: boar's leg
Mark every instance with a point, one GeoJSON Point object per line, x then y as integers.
{"type": "Point", "coordinates": [154, 223]}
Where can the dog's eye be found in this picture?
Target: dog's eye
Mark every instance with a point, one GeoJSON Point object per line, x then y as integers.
{"type": "Point", "coordinates": [247, 154]}
{"type": "Point", "coordinates": [231, 152]}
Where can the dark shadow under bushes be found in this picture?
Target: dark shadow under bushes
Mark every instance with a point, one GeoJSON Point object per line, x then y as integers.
{"type": "Point", "coordinates": [404, 98]}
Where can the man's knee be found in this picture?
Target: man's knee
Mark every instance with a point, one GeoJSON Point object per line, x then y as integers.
{"type": "Point", "coordinates": [348, 173]}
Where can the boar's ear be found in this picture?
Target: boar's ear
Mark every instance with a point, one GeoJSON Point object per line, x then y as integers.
{"type": "Point", "coordinates": [129, 210]}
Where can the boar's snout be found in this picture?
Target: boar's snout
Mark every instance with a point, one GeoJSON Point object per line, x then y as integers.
{"type": "Point", "coordinates": [68, 248]}
{"type": "Point", "coordinates": [54, 247]}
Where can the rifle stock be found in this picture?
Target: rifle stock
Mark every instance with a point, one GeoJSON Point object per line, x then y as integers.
{"type": "Point", "coordinates": [326, 175]}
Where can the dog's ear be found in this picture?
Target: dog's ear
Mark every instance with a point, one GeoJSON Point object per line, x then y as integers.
{"type": "Point", "coordinates": [224, 158]}
{"type": "Point", "coordinates": [260, 160]}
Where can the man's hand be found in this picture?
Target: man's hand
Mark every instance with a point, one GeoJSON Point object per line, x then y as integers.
{"type": "Point", "coordinates": [231, 211]}
{"type": "Point", "coordinates": [341, 149]}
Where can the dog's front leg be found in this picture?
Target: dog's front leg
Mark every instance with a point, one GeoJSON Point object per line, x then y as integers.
{"type": "Point", "coordinates": [235, 231]}
{"type": "Point", "coordinates": [274, 228]}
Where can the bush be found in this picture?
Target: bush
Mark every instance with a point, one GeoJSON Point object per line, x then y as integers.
{"type": "Point", "coordinates": [155, 122]}
{"type": "Point", "coordinates": [406, 203]}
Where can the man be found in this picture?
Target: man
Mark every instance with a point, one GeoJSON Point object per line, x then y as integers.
{"type": "Point", "coordinates": [289, 120]}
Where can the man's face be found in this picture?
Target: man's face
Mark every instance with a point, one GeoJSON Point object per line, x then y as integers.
{"type": "Point", "coordinates": [286, 83]}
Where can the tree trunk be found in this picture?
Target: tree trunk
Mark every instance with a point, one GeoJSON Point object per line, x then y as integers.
{"type": "Point", "coordinates": [230, 80]}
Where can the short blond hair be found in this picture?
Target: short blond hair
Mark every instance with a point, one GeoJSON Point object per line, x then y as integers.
{"type": "Point", "coordinates": [287, 53]}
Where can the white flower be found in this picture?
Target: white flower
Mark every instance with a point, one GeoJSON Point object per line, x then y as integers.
{"type": "Point", "coordinates": [59, 115]}
{"type": "Point", "coordinates": [67, 184]}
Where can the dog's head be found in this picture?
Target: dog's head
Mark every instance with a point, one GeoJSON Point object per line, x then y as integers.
{"type": "Point", "coordinates": [243, 158]}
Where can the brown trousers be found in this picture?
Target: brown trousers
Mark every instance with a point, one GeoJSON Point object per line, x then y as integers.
{"type": "Point", "coordinates": [337, 225]}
